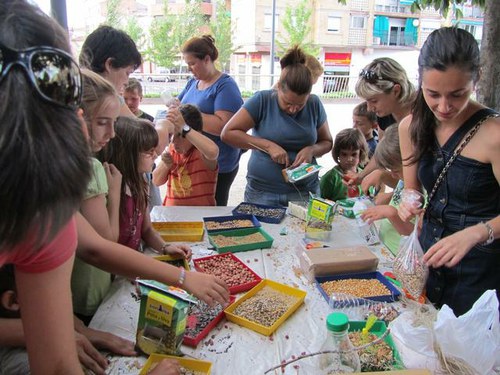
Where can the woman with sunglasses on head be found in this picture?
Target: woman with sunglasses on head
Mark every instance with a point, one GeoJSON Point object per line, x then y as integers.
{"type": "Point", "coordinates": [389, 93]}
{"type": "Point", "coordinates": [451, 147]}
{"type": "Point", "coordinates": [44, 169]}
{"type": "Point", "coordinates": [289, 127]}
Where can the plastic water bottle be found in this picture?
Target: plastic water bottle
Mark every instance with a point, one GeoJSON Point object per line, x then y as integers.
{"type": "Point", "coordinates": [345, 360]}
{"type": "Point", "coordinates": [368, 231]}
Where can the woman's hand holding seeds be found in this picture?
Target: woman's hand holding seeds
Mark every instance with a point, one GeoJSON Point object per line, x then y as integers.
{"type": "Point", "coordinates": [208, 288]}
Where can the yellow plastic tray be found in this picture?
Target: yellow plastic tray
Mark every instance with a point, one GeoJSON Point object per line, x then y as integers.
{"type": "Point", "coordinates": [171, 259]}
{"type": "Point", "coordinates": [180, 231]}
{"type": "Point", "coordinates": [189, 364]}
{"type": "Point", "coordinates": [267, 331]}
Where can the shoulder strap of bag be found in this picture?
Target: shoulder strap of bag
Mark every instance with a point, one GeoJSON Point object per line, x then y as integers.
{"type": "Point", "coordinates": [487, 114]}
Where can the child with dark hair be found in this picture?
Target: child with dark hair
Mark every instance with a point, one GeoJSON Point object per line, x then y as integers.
{"type": "Point", "coordinates": [366, 122]}
{"type": "Point", "coordinates": [349, 152]}
{"type": "Point", "coordinates": [189, 165]}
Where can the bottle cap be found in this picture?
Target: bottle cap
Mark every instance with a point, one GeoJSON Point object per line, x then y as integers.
{"type": "Point", "coordinates": [337, 322]}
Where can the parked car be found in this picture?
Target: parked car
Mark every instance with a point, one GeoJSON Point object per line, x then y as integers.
{"type": "Point", "coordinates": [163, 75]}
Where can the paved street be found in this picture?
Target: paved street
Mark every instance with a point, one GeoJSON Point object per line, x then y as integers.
{"type": "Point", "coordinates": [339, 117]}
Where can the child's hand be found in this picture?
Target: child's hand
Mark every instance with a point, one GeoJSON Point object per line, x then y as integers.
{"type": "Point", "coordinates": [375, 213]}
{"type": "Point", "coordinates": [373, 179]}
{"type": "Point", "coordinates": [208, 288]}
{"type": "Point", "coordinates": [175, 116]}
{"type": "Point", "coordinates": [183, 250]}
{"type": "Point", "coordinates": [89, 356]}
{"type": "Point", "coordinates": [114, 178]}
{"type": "Point", "coordinates": [351, 178]}
{"type": "Point", "coordinates": [108, 341]}
{"type": "Point", "coordinates": [167, 159]}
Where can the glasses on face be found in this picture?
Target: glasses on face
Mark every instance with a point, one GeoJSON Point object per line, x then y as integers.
{"type": "Point", "coordinates": [53, 73]}
{"type": "Point", "coordinates": [370, 75]}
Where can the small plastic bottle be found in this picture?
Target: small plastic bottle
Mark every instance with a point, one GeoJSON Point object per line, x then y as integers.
{"type": "Point", "coordinates": [346, 360]}
{"type": "Point", "coordinates": [368, 231]}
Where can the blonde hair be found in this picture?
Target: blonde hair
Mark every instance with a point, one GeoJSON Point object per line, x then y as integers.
{"type": "Point", "coordinates": [387, 73]}
{"type": "Point", "coordinates": [95, 90]}
{"type": "Point", "coordinates": [388, 153]}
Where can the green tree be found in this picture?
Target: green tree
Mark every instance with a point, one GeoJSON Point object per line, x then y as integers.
{"type": "Point", "coordinates": [220, 26]}
{"type": "Point", "coordinates": [136, 32]}
{"type": "Point", "coordinates": [169, 32]}
{"type": "Point", "coordinates": [297, 29]}
{"type": "Point", "coordinates": [113, 15]}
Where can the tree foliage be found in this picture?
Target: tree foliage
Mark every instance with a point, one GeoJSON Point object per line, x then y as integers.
{"type": "Point", "coordinates": [135, 31]}
{"type": "Point", "coordinates": [113, 15]}
{"type": "Point", "coordinates": [297, 29]}
{"type": "Point", "coordinates": [169, 32]}
{"type": "Point", "coordinates": [220, 26]}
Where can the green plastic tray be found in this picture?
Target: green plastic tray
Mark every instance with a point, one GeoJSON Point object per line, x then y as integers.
{"type": "Point", "coordinates": [244, 247]}
{"type": "Point", "coordinates": [378, 329]}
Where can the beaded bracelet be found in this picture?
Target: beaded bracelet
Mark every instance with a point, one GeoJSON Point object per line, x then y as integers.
{"type": "Point", "coordinates": [182, 276]}
{"type": "Point", "coordinates": [491, 237]}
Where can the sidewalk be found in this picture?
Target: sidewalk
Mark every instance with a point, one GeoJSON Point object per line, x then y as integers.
{"type": "Point", "coordinates": [339, 117]}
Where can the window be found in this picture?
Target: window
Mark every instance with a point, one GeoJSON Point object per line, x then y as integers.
{"type": "Point", "coordinates": [357, 22]}
{"type": "Point", "coordinates": [333, 24]}
{"type": "Point", "coordinates": [268, 21]}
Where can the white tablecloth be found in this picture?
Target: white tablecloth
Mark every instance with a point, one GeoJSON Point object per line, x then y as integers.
{"type": "Point", "coordinates": [233, 349]}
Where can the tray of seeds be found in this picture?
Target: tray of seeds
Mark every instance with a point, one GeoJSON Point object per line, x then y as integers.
{"type": "Point", "coordinates": [201, 320]}
{"type": "Point", "coordinates": [174, 260]}
{"type": "Point", "coordinates": [381, 356]}
{"type": "Point", "coordinates": [240, 240]}
{"type": "Point", "coordinates": [266, 214]}
{"type": "Point", "coordinates": [220, 223]}
{"type": "Point", "coordinates": [265, 307]}
{"type": "Point", "coordinates": [237, 275]}
{"type": "Point", "coordinates": [188, 366]}
{"type": "Point", "coordinates": [369, 285]}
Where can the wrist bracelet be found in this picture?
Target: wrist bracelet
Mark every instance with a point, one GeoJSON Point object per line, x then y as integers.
{"type": "Point", "coordinates": [182, 276]}
{"type": "Point", "coordinates": [491, 237]}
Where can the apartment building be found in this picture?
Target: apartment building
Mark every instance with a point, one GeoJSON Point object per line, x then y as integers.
{"type": "Point", "coordinates": [349, 36]}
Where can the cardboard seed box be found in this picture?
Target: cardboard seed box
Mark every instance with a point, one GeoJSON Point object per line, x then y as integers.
{"type": "Point", "coordinates": [328, 261]}
{"type": "Point", "coordinates": [162, 322]}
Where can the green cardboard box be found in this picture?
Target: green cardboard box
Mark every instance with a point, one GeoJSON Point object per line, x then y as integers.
{"type": "Point", "coordinates": [162, 321]}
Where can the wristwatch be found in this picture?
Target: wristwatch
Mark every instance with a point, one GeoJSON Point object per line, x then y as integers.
{"type": "Point", "coordinates": [185, 129]}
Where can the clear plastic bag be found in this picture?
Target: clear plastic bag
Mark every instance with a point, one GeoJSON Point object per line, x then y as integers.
{"type": "Point", "coordinates": [409, 267]}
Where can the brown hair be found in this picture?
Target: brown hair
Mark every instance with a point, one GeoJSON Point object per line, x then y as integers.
{"type": "Point", "coordinates": [295, 76]}
{"type": "Point", "coordinates": [192, 116]}
{"type": "Point", "coordinates": [201, 47]}
{"type": "Point", "coordinates": [134, 84]}
{"type": "Point", "coordinates": [362, 110]}
{"type": "Point", "coordinates": [350, 139]}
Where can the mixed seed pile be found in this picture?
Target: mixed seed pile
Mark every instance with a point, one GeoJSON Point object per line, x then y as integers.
{"type": "Point", "coordinates": [229, 224]}
{"type": "Point", "coordinates": [265, 307]}
{"type": "Point", "coordinates": [356, 287]}
{"type": "Point", "coordinates": [224, 241]}
{"type": "Point", "coordinates": [203, 314]}
{"type": "Point", "coordinates": [413, 276]}
{"type": "Point", "coordinates": [271, 213]}
{"type": "Point", "coordinates": [377, 357]}
{"type": "Point", "coordinates": [227, 268]}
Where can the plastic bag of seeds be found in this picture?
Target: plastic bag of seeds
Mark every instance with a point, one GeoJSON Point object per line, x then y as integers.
{"type": "Point", "coordinates": [409, 267]}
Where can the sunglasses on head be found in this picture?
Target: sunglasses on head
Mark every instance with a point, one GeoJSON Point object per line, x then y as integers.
{"type": "Point", "coordinates": [370, 75]}
{"type": "Point", "coordinates": [53, 73]}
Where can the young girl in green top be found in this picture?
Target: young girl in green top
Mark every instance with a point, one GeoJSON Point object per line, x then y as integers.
{"type": "Point", "coordinates": [350, 150]}
{"type": "Point", "coordinates": [388, 157]}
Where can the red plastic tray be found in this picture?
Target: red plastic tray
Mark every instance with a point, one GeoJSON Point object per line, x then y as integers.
{"type": "Point", "coordinates": [194, 341]}
{"type": "Point", "coordinates": [235, 288]}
